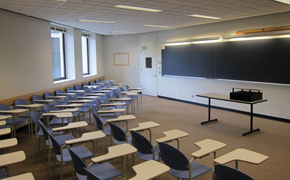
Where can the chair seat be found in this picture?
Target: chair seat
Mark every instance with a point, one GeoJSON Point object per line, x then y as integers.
{"type": "Point", "coordinates": [129, 139]}
{"type": "Point", "coordinates": [2, 174]}
{"type": "Point", "coordinates": [40, 133]}
{"type": "Point", "coordinates": [196, 170]}
{"type": "Point", "coordinates": [59, 121]}
{"type": "Point", "coordinates": [17, 120]}
{"type": "Point", "coordinates": [147, 157]}
{"type": "Point", "coordinates": [61, 139]}
{"type": "Point", "coordinates": [102, 171]}
{"type": "Point", "coordinates": [82, 151]}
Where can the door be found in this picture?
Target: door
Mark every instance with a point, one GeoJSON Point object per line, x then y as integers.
{"type": "Point", "coordinates": [148, 71]}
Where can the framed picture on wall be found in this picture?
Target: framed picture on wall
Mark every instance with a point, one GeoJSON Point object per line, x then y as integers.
{"type": "Point", "coordinates": [121, 59]}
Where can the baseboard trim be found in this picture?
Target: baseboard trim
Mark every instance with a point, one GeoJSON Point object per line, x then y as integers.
{"type": "Point", "coordinates": [231, 110]}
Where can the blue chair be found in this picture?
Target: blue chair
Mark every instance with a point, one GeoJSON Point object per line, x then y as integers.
{"type": "Point", "coordinates": [38, 97]}
{"type": "Point", "coordinates": [35, 116]}
{"type": "Point", "coordinates": [60, 140]}
{"type": "Point", "coordinates": [91, 82]}
{"type": "Point", "coordinates": [223, 172]}
{"type": "Point", "coordinates": [47, 94]}
{"type": "Point", "coordinates": [144, 147]}
{"type": "Point", "coordinates": [55, 121]}
{"type": "Point", "coordinates": [119, 136]}
{"type": "Point", "coordinates": [180, 166]}
{"type": "Point", "coordinates": [78, 87]}
{"type": "Point", "coordinates": [100, 125]}
{"type": "Point", "coordinates": [14, 121]}
{"type": "Point", "coordinates": [62, 154]}
{"type": "Point", "coordinates": [102, 170]}
{"type": "Point", "coordinates": [69, 88]}
{"type": "Point", "coordinates": [97, 81]}
{"type": "Point", "coordinates": [26, 115]}
{"type": "Point", "coordinates": [58, 91]}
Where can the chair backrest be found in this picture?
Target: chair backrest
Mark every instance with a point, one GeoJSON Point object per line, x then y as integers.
{"type": "Point", "coordinates": [78, 87]}
{"type": "Point", "coordinates": [93, 108]}
{"type": "Point", "coordinates": [44, 130]}
{"type": "Point", "coordinates": [222, 172]}
{"type": "Point", "coordinates": [46, 94]}
{"type": "Point", "coordinates": [120, 89]}
{"type": "Point", "coordinates": [79, 94]}
{"type": "Point", "coordinates": [98, 122]}
{"type": "Point", "coordinates": [91, 82]}
{"type": "Point", "coordinates": [35, 117]}
{"type": "Point", "coordinates": [84, 84]}
{"type": "Point", "coordinates": [102, 80]}
{"type": "Point", "coordinates": [69, 98]}
{"type": "Point", "coordinates": [98, 104]}
{"type": "Point", "coordinates": [114, 94]}
{"type": "Point", "coordinates": [47, 108]}
{"type": "Point", "coordinates": [69, 88]}
{"type": "Point", "coordinates": [87, 91]}
{"type": "Point", "coordinates": [56, 102]}
{"type": "Point", "coordinates": [110, 84]}
{"type": "Point", "coordinates": [127, 88]}
{"type": "Point", "coordinates": [4, 107]}
{"type": "Point", "coordinates": [97, 81]}
{"type": "Point", "coordinates": [141, 143]}
{"type": "Point", "coordinates": [90, 175]}
{"type": "Point", "coordinates": [56, 146]}
{"type": "Point", "coordinates": [78, 163]}
{"type": "Point", "coordinates": [172, 157]}
{"type": "Point", "coordinates": [20, 102]}
{"type": "Point", "coordinates": [58, 91]}
{"type": "Point", "coordinates": [36, 97]}
{"type": "Point", "coordinates": [117, 132]}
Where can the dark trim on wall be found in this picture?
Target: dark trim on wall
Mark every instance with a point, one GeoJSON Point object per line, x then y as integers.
{"type": "Point", "coordinates": [231, 110]}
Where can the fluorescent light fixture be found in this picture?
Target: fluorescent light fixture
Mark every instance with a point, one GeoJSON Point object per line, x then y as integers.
{"type": "Point", "coordinates": [257, 37]}
{"type": "Point", "coordinates": [283, 1]}
{"type": "Point", "coordinates": [137, 8]}
{"type": "Point", "coordinates": [122, 32]}
{"type": "Point", "coordinates": [196, 41]}
{"type": "Point", "coordinates": [157, 26]}
{"type": "Point", "coordinates": [204, 16]}
{"type": "Point", "coordinates": [95, 21]}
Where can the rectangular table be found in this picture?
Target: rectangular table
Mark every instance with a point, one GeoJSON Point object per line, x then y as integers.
{"type": "Point", "coordinates": [224, 97]}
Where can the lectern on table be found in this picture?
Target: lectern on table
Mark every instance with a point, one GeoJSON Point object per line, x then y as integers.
{"type": "Point", "coordinates": [224, 97]}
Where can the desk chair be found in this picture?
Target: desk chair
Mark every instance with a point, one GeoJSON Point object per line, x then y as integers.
{"type": "Point", "coordinates": [118, 135]}
{"type": "Point", "coordinates": [62, 154]}
{"type": "Point", "coordinates": [100, 125]}
{"type": "Point", "coordinates": [26, 115]}
{"type": "Point", "coordinates": [101, 170]}
{"type": "Point", "coordinates": [69, 88]}
{"type": "Point", "coordinates": [35, 116]}
{"type": "Point", "coordinates": [55, 121]}
{"type": "Point", "coordinates": [144, 147]}
{"type": "Point", "coordinates": [91, 82]}
{"type": "Point", "coordinates": [223, 172]}
{"type": "Point", "coordinates": [38, 97]}
{"type": "Point", "coordinates": [180, 166]}
{"type": "Point", "coordinates": [78, 87]}
{"type": "Point", "coordinates": [47, 94]}
{"type": "Point", "coordinates": [58, 91]}
{"type": "Point", "coordinates": [13, 122]}
{"type": "Point", "coordinates": [60, 139]}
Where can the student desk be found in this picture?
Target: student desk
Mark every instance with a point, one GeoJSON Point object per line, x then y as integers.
{"type": "Point", "coordinates": [66, 94]}
{"type": "Point", "coordinates": [73, 105]}
{"type": "Point", "coordinates": [5, 131]}
{"type": "Point", "coordinates": [48, 101]}
{"type": "Point", "coordinates": [207, 146]}
{"type": "Point", "coordinates": [71, 126]}
{"type": "Point", "coordinates": [59, 115]}
{"type": "Point", "coordinates": [95, 94]}
{"type": "Point", "coordinates": [145, 126]}
{"type": "Point", "coordinates": [5, 117]}
{"type": "Point", "coordinates": [89, 136]}
{"type": "Point", "coordinates": [26, 176]}
{"type": "Point", "coordinates": [11, 158]}
{"type": "Point", "coordinates": [14, 113]}
{"type": "Point", "coordinates": [122, 118]}
{"type": "Point", "coordinates": [32, 107]}
{"type": "Point", "coordinates": [149, 170]}
{"type": "Point", "coordinates": [124, 100]}
{"type": "Point", "coordinates": [224, 97]}
{"type": "Point", "coordinates": [6, 143]}
{"type": "Point", "coordinates": [118, 151]}
{"type": "Point", "coordinates": [122, 110]}
{"type": "Point", "coordinates": [75, 91]}
{"type": "Point", "coordinates": [170, 135]}
{"type": "Point", "coordinates": [241, 155]}
{"type": "Point", "coordinates": [55, 97]}
{"type": "Point", "coordinates": [2, 123]}
{"type": "Point", "coordinates": [65, 110]}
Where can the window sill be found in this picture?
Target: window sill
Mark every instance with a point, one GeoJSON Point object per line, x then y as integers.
{"type": "Point", "coordinates": [89, 75]}
{"type": "Point", "coordinates": [61, 81]}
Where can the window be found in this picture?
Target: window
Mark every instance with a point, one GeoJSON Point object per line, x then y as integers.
{"type": "Point", "coordinates": [58, 59]}
{"type": "Point", "coordinates": [85, 54]}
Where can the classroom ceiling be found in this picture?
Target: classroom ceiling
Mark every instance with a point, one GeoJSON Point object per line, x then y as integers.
{"type": "Point", "coordinates": [174, 14]}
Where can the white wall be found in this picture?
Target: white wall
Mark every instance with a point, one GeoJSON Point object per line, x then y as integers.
{"type": "Point", "coordinates": [122, 44]}
{"type": "Point", "coordinates": [184, 88]}
{"type": "Point", "coordinates": [26, 58]}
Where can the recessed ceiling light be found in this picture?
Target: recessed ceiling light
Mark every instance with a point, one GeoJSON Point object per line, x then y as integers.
{"type": "Point", "coordinates": [94, 21]}
{"type": "Point", "coordinates": [204, 16]}
{"type": "Point", "coordinates": [137, 8]}
{"type": "Point", "coordinates": [283, 1]}
{"type": "Point", "coordinates": [156, 26]}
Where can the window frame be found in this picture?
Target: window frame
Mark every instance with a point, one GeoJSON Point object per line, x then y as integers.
{"type": "Point", "coordinates": [63, 49]}
{"type": "Point", "coordinates": [88, 59]}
